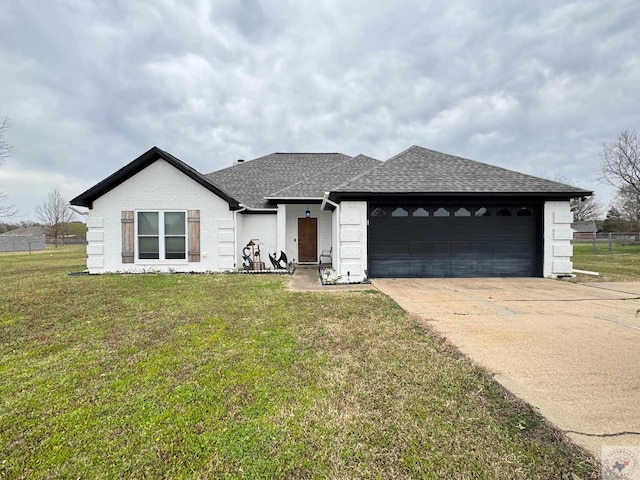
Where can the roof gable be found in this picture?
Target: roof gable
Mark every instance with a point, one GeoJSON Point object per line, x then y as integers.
{"type": "Point", "coordinates": [86, 198]}
{"type": "Point", "coordinates": [422, 171]}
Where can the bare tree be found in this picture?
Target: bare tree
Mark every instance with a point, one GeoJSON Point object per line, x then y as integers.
{"type": "Point", "coordinates": [621, 162]}
{"type": "Point", "coordinates": [55, 215]}
{"type": "Point", "coordinates": [627, 203]}
{"type": "Point", "coordinates": [585, 208]}
{"type": "Point", "coordinates": [6, 210]}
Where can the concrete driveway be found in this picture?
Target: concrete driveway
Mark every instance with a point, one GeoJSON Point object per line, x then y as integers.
{"type": "Point", "coordinates": [570, 350]}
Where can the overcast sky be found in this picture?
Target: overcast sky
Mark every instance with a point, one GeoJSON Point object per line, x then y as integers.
{"type": "Point", "coordinates": [533, 86]}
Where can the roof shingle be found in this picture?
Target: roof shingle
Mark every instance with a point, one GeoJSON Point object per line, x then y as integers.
{"type": "Point", "coordinates": [420, 170]}
{"type": "Point", "coordinates": [251, 181]}
{"type": "Point", "coordinates": [327, 180]}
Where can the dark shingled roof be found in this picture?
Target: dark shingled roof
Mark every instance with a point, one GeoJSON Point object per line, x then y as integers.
{"type": "Point", "coordinates": [422, 171]}
{"type": "Point", "coordinates": [259, 183]}
{"type": "Point", "coordinates": [251, 181]}
{"type": "Point", "coordinates": [325, 181]}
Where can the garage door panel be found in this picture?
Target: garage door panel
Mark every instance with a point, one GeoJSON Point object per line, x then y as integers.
{"type": "Point", "coordinates": [454, 246]}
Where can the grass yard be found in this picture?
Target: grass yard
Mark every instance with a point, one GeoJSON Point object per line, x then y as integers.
{"type": "Point", "coordinates": [621, 265]}
{"type": "Point", "coordinates": [232, 376]}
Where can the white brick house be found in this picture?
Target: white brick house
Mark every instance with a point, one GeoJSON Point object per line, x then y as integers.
{"type": "Point", "coordinates": [420, 213]}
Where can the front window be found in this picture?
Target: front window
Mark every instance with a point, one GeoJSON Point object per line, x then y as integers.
{"type": "Point", "coordinates": [162, 236]}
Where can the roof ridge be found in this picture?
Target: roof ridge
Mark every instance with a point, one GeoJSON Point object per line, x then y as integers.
{"type": "Point", "coordinates": [360, 175]}
{"type": "Point", "coordinates": [304, 179]}
{"type": "Point", "coordinates": [249, 162]}
{"type": "Point", "coordinates": [505, 169]}
{"type": "Point", "coordinates": [444, 172]}
{"type": "Point", "coordinates": [490, 165]}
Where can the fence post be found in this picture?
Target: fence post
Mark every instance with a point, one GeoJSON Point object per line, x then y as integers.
{"type": "Point", "coordinates": [593, 244]}
{"type": "Point", "coordinates": [610, 249]}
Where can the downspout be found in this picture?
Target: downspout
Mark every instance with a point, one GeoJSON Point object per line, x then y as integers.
{"type": "Point", "coordinates": [235, 234]}
{"type": "Point", "coordinates": [325, 200]}
{"type": "Point", "coordinates": [79, 212]}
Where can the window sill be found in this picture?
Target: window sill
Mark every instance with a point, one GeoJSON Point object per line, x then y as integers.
{"type": "Point", "coordinates": [160, 262]}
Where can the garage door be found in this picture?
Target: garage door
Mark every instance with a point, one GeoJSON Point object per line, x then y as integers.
{"type": "Point", "coordinates": [454, 240]}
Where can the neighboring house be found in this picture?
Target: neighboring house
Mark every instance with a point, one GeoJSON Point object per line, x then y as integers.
{"type": "Point", "coordinates": [584, 229]}
{"type": "Point", "coordinates": [419, 214]}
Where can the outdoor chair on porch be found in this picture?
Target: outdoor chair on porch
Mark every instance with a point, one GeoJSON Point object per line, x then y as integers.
{"type": "Point", "coordinates": [324, 256]}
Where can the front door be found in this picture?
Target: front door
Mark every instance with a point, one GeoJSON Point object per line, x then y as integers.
{"type": "Point", "coordinates": [307, 240]}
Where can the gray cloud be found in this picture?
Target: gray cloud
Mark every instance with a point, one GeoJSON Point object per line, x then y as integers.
{"type": "Point", "coordinates": [89, 86]}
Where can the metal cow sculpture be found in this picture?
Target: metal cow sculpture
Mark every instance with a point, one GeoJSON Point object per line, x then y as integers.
{"type": "Point", "coordinates": [279, 263]}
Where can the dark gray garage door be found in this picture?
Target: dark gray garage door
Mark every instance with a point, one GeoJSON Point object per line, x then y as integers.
{"type": "Point", "coordinates": [454, 240]}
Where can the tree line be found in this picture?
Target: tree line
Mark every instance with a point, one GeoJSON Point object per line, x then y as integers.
{"type": "Point", "coordinates": [54, 214]}
{"type": "Point", "coordinates": [620, 165]}
{"type": "Point", "coordinates": [72, 228]}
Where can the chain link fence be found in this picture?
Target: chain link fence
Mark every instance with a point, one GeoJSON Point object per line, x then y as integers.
{"type": "Point", "coordinates": [22, 243]}
{"type": "Point", "coordinates": [610, 242]}
{"type": "Point", "coordinates": [66, 241]}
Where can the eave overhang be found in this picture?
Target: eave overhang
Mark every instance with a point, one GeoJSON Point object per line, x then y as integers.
{"type": "Point", "coordinates": [548, 196]}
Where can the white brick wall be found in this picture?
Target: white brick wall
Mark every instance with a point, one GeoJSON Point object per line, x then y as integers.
{"type": "Point", "coordinates": [264, 228]}
{"type": "Point", "coordinates": [557, 239]}
{"type": "Point", "coordinates": [281, 231]}
{"type": "Point", "coordinates": [160, 187]}
{"type": "Point", "coordinates": [350, 258]}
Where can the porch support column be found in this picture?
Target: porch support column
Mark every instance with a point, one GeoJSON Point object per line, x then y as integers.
{"type": "Point", "coordinates": [281, 232]}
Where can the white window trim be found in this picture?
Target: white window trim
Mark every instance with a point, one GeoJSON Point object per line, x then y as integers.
{"type": "Point", "coordinates": [161, 237]}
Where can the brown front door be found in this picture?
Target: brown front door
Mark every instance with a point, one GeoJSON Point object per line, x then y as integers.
{"type": "Point", "coordinates": [307, 240]}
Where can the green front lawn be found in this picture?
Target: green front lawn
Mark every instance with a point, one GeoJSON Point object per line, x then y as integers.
{"type": "Point", "coordinates": [232, 376]}
{"type": "Point", "coordinates": [621, 264]}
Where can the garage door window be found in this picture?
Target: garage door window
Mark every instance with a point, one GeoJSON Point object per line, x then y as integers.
{"type": "Point", "coordinates": [378, 212]}
{"type": "Point", "coordinates": [399, 212]}
{"type": "Point", "coordinates": [441, 212]}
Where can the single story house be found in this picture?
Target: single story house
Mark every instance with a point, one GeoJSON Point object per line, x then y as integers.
{"type": "Point", "coordinates": [420, 213]}
{"type": "Point", "coordinates": [584, 229]}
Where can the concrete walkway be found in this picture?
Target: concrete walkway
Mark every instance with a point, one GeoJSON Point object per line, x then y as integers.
{"type": "Point", "coordinates": [306, 278]}
{"type": "Point", "coordinates": [570, 350]}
